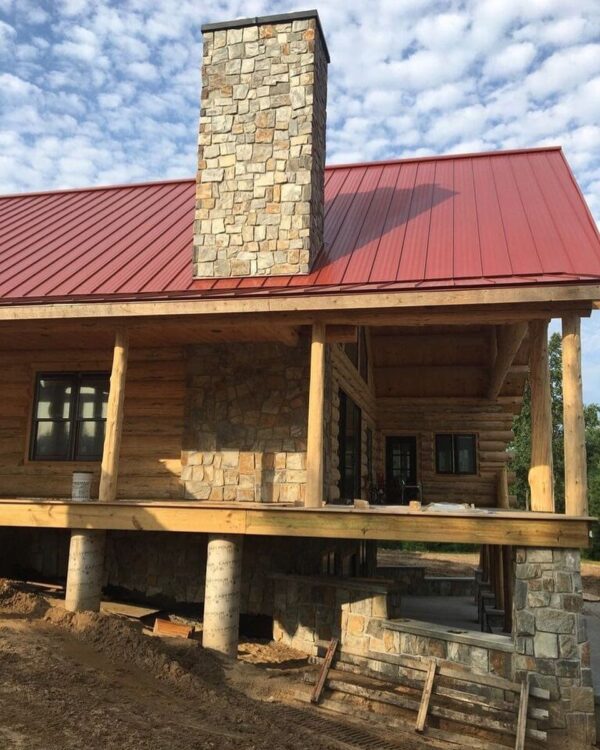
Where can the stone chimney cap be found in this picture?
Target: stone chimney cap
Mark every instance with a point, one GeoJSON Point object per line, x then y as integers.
{"type": "Point", "coordinates": [240, 23]}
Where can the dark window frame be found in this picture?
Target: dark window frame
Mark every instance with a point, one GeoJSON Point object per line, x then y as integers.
{"type": "Point", "coordinates": [74, 420]}
{"type": "Point", "coordinates": [345, 402]}
{"type": "Point", "coordinates": [455, 470]}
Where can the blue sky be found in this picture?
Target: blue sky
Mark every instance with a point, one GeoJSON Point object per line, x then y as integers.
{"type": "Point", "coordinates": [95, 92]}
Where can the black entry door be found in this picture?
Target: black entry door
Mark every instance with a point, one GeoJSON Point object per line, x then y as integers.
{"type": "Point", "coordinates": [401, 465]}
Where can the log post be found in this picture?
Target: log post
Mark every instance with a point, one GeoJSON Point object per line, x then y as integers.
{"type": "Point", "coordinates": [316, 402]}
{"type": "Point", "coordinates": [576, 502]}
{"type": "Point", "coordinates": [114, 420]}
{"type": "Point", "coordinates": [541, 480]}
{"type": "Point", "coordinates": [85, 573]}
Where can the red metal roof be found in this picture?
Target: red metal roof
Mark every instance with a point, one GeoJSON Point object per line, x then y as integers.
{"type": "Point", "coordinates": [502, 218]}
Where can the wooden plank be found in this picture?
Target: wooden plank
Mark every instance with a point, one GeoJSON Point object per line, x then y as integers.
{"type": "Point", "coordinates": [576, 501]}
{"type": "Point", "coordinates": [320, 684]}
{"type": "Point", "coordinates": [541, 480]}
{"type": "Point", "coordinates": [172, 629]}
{"type": "Point", "coordinates": [316, 425]}
{"type": "Point", "coordinates": [521, 529]}
{"type": "Point", "coordinates": [114, 420]}
{"type": "Point", "coordinates": [522, 718]}
{"type": "Point", "coordinates": [426, 697]}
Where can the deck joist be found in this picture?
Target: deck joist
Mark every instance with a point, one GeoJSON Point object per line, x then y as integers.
{"type": "Point", "coordinates": [518, 528]}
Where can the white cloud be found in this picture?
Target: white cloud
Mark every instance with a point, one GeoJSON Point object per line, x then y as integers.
{"type": "Point", "coordinates": [513, 59]}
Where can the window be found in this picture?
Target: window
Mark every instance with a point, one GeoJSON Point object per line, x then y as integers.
{"type": "Point", "coordinates": [455, 454]}
{"type": "Point", "coordinates": [69, 415]}
{"type": "Point", "coordinates": [349, 448]}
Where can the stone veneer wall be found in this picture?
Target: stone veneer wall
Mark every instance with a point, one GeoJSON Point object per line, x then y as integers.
{"type": "Point", "coordinates": [551, 644]}
{"type": "Point", "coordinates": [309, 611]}
{"type": "Point", "coordinates": [247, 414]}
{"type": "Point", "coordinates": [261, 162]}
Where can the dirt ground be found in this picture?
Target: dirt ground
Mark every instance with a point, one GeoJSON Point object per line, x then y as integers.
{"type": "Point", "coordinates": [96, 681]}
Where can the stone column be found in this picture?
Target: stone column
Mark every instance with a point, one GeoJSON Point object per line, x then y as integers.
{"type": "Point", "coordinates": [551, 642]}
{"type": "Point", "coordinates": [222, 594]}
{"type": "Point", "coordinates": [85, 574]}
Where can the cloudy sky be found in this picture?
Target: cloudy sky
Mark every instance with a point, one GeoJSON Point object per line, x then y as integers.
{"type": "Point", "coordinates": [95, 92]}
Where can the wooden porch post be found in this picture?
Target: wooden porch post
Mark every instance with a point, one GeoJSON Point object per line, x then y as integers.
{"type": "Point", "coordinates": [316, 402]}
{"type": "Point", "coordinates": [114, 419]}
{"type": "Point", "coordinates": [576, 502]}
{"type": "Point", "coordinates": [541, 479]}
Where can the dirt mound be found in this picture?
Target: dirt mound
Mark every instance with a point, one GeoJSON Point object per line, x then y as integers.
{"type": "Point", "coordinates": [13, 599]}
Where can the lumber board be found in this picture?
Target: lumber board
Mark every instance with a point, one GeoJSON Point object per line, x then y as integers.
{"type": "Point", "coordinates": [327, 661]}
{"type": "Point", "coordinates": [332, 522]}
{"type": "Point", "coordinates": [522, 717]}
{"type": "Point", "coordinates": [426, 697]}
{"type": "Point", "coordinates": [172, 629]}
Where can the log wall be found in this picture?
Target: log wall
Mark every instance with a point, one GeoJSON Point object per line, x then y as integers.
{"type": "Point", "coordinates": [150, 464]}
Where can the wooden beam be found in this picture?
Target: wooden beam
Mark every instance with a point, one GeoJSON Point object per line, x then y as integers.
{"type": "Point", "coordinates": [325, 667]}
{"type": "Point", "coordinates": [340, 334]}
{"type": "Point", "coordinates": [114, 420]}
{"type": "Point", "coordinates": [510, 339]}
{"type": "Point", "coordinates": [288, 335]}
{"type": "Point", "coordinates": [518, 528]}
{"type": "Point", "coordinates": [522, 717]}
{"type": "Point", "coordinates": [525, 294]}
{"type": "Point", "coordinates": [541, 480]}
{"type": "Point", "coordinates": [576, 500]}
{"type": "Point", "coordinates": [316, 404]}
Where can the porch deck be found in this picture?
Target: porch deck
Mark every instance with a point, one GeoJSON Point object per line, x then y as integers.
{"type": "Point", "coordinates": [388, 523]}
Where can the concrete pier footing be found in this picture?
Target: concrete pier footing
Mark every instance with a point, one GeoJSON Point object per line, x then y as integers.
{"type": "Point", "coordinates": [85, 573]}
{"type": "Point", "coordinates": [222, 594]}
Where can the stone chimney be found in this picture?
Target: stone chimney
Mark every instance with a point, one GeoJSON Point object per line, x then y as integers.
{"type": "Point", "coordinates": [261, 155]}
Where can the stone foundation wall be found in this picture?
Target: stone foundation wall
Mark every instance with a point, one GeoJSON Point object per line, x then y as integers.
{"type": "Point", "coordinates": [361, 612]}
{"type": "Point", "coordinates": [247, 415]}
{"type": "Point", "coordinates": [551, 644]}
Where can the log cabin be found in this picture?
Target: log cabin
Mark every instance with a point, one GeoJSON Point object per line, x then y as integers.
{"type": "Point", "coordinates": [270, 368]}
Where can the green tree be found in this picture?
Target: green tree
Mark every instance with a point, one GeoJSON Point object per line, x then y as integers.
{"type": "Point", "coordinates": [521, 445]}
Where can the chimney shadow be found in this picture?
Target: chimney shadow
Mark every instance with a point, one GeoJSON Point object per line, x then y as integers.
{"type": "Point", "coordinates": [372, 215]}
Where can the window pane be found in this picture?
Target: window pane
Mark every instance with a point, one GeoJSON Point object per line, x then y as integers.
{"type": "Point", "coordinates": [93, 398]}
{"type": "Point", "coordinates": [465, 453]}
{"type": "Point", "coordinates": [90, 440]}
{"type": "Point", "coordinates": [52, 440]}
{"type": "Point", "coordinates": [54, 398]}
{"type": "Point", "coordinates": [443, 454]}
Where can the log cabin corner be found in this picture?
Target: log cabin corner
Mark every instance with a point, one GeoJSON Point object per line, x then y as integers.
{"type": "Point", "coordinates": [271, 368]}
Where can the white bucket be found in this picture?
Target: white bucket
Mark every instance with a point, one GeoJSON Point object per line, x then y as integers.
{"type": "Point", "coordinates": [81, 487]}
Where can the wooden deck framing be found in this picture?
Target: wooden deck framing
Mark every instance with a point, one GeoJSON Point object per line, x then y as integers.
{"type": "Point", "coordinates": [518, 528]}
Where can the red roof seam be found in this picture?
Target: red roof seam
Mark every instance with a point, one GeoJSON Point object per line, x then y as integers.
{"type": "Point", "coordinates": [92, 233]}
{"type": "Point", "coordinates": [348, 255]}
{"type": "Point", "coordinates": [535, 245]}
{"type": "Point", "coordinates": [123, 239]}
{"type": "Point", "coordinates": [58, 251]}
{"type": "Point", "coordinates": [595, 250]}
{"type": "Point", "coordinates": [477, 219]}
{"type": "Point", "coordinates": [385, 221]}
{"type": "Point", "coordinates": [408, 217]}
{"type": "Point", "coordinates": [501, 214]}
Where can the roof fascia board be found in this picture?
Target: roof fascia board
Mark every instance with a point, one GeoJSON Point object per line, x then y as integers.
{"type": "Point", "coordinates": [585, 293]}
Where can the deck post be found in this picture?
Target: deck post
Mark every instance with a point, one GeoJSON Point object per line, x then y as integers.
{"type": "Point", "coordinates": [114, 420]}
{"type": "Point", "coordinates": [316, 403]}
{"type": "Point", "coordinates": [541, 479]}
{"type": "Point", "coordinates": [220, 627]}
{"type": "Point", "coordinates": [576, 502]}
{"type": "Point", "coordinates": [85, 574]}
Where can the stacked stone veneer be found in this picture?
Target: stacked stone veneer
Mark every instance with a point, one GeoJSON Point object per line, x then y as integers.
{"type": "Point", "coordinates": [247, 418]}
{"type": "Point", "coordinates": [551, 642]}
{"type": "Point", "coordinates": [260, 187]}
{"type": "Point", "coordinates": [359, 612]}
